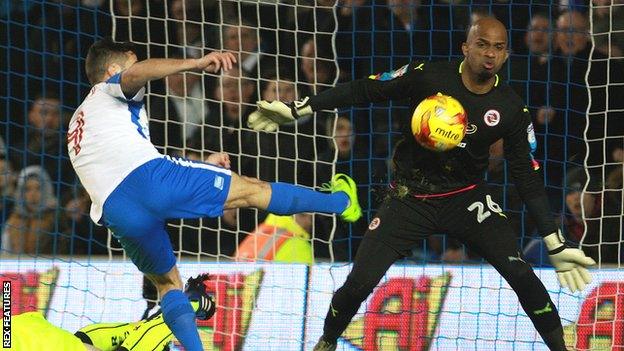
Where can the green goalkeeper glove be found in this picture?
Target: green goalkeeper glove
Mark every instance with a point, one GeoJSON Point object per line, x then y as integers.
{"type": "Point", "coordinates": [270, 115]}
{"type": "Point", "coordinates": [570, 264]}
{"type": "Point", "coordinates": [203, 304]}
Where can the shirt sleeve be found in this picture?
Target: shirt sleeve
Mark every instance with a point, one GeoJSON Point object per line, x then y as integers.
{"type": "Point", "coordinates": [399, 84]}
{"type": "Point", "coordinates": [112, 87]}
{"type": "Point", "coordinates": [524, 170]}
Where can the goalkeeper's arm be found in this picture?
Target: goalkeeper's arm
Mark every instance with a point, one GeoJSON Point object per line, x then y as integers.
{"type": "Point", "coordinates": [570, 264]}
{"type": "Point", "coordinates": [137, 75]}
{"type": "Point", "coordinates": [364, 91]}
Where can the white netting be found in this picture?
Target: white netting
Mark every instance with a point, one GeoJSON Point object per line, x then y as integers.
{"type": "Point", "coordinates": [604, 133]}
{"type": "Point", "coordinates": [289, 49]}
{"type": "Point", "coordinates": [282, 54]}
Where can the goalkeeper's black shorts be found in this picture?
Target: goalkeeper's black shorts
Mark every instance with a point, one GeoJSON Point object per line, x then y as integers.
{"type": "Point", "coordinates": [471, 215]}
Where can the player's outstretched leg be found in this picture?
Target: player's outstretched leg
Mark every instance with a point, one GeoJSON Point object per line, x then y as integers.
{"type": "Point", "coordinates": [286, 199]}
{"type": "Point", "coordinates": [372, 260]}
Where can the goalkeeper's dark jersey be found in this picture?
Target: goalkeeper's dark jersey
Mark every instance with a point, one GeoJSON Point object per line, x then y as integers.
{"type": "Point", "coordinates": [498, 114]}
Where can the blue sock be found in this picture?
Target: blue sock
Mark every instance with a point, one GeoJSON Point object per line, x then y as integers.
{"type": "Point", "coordinates": [288, 199]}
{"type": "Point", "coordinates": [180, 318]}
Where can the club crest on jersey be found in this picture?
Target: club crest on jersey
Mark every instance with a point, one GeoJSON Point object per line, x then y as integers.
{"type": "Point", "coordinates": [491, 117]}
{"type": "Point", "coordinates": [374, 223]}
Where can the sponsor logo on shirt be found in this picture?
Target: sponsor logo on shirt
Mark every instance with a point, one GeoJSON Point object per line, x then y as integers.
{"type": "Point", "coordinates": [471, 129]}
{"type": "Point", "coordinates": [491, 117]}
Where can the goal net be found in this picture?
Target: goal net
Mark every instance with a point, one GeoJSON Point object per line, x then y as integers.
{"type": "Point", "coordinates": [273, 277]}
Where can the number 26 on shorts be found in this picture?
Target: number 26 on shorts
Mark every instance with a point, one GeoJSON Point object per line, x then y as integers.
{"type": "Point", "coordinates": [482, 212]}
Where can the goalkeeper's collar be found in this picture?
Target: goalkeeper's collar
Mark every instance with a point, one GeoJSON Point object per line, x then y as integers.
{"type": "Point", "coordinates": [461, 65]}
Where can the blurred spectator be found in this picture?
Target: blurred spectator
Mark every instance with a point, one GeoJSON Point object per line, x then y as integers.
{"type": "Point", "coordinates": [225, 129]}
{"type": "Point", "coordinates": [279, 239]}
{"type": "Point", "coordinates": [515, 15]}
{"type": "Point", "coordinates": [608, 27]}
{"type": "Point", "coordinates": [597, 216]}
{"type": "Point", "coordinates": [370, 175]}
{"type": "Point", "coordinates": [577, 204]}
{"type": "Point", "coordinates": [188, 39]}
{"type": "Point", "coordinates": [406, 40]}
{"type": "Point", "coordinates": [363, 38]}
{"type": "Point", "coordinates": [570, 93]}
{"type": "Point", "coordinates": [7, 189]}
{"type": "Point", "coordinates": [287, 155]}
{"type": "Point", "coordinates": [187, 107]}
{"type": "Point", "coordinates": [177, 108]}
{"type": "Point", "coordinates": [244, 42]}
{"type": "Point", "coordinates": [531, 77]}
{"type": "Point", "coordinates": [82, 236]}
{"type": "Point", "coordinates": [318, 71]}
{"type": "Point", "coordinates": [44, 143]}
{"type": "Point", "coordinates": [30, 227]}
{"type": "Point", "coordinates": [132, 24]}
{"type": "Point", "coordinates": [297, 24]}
{"type": "Point", "coordinates": [442, 28]}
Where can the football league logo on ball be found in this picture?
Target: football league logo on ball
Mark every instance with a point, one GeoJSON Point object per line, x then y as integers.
{"type": "Point", "coordinates": [439, 122]}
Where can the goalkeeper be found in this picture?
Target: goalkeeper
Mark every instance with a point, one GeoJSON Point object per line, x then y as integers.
{"type": "Point", "coordinates": [31, 331]}
{"type": "Point", "coordinates": [134, 188]}
{"type": "Point", "coordinates": [444, 191]}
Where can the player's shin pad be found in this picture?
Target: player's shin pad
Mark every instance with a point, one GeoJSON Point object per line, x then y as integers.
{"type": "Point", "coordinates": [105, 336]}
{"type": "Point", "coordinates": [152, 334]}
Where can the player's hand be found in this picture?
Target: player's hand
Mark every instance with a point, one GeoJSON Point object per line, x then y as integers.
{"type": "Point", "coordinates": [220, 159]}
{"type": "Point", "coordinates": [270, 115]}
{"type": "Point", "coordinates": [215, 61]}
{"type": "Point", "coordinates": [570, 264]}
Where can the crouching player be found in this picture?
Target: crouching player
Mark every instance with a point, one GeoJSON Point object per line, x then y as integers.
{"type": "Point", "coordinates": [31, 331]}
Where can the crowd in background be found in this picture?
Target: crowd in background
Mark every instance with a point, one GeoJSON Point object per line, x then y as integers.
{"type": "Point", "coordinates": [286, 52]}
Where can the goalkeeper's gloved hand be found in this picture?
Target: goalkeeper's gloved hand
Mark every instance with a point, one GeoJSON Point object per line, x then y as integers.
{"type": "Point", "coordinates": [202, 302]}
{"type": "Point", "coordinates": [570, 264]}
{"type": "Point", "coordinates": [270, 115]}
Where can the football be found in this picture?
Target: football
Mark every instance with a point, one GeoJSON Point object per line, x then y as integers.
{"type": "Point", "coordinates": [439, 122]}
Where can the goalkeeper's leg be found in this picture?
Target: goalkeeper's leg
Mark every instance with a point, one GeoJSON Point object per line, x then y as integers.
{"type": "Point", "coordinates": [399, 225]}
{"type": "Point", "coordinates": [372, 260]}
{"type": "Point", "coordinates": [494, 239]}
{"type": "Point", "coordinates": [498, 246]}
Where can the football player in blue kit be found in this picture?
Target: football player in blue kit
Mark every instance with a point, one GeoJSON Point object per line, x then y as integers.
{"type": "Point", "coordinates": [134, 188]}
